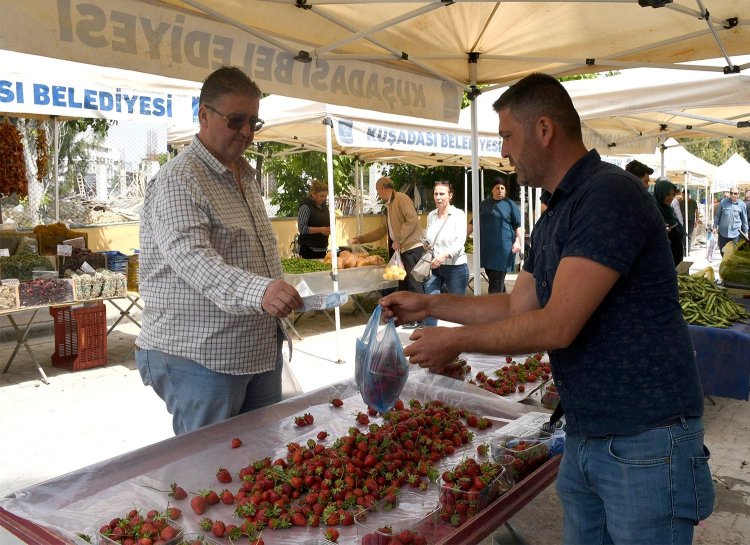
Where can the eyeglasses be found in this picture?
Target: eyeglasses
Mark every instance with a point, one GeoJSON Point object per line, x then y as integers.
{"type": "Point", "coordinates": [237, 121]}
{"type": "Point", "coordinates": [734, 193]}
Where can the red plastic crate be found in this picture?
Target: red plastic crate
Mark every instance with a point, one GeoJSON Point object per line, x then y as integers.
{"type": "Point", "coordinates": [80, 336]}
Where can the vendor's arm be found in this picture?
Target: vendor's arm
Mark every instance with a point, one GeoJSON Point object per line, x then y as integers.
{"type": "Point", "coordinates": [530, 330]}
{"type": "Point", "coordinates": [184, 238]}
{"type": "Point", "coordinates": [517, 242]}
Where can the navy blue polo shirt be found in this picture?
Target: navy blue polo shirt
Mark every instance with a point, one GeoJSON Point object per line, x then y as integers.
{"type": "Point", "coordinates": [632, 367]}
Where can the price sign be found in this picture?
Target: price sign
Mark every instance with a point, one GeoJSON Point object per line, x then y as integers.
{"type": "Point", "coordinates": [4, 252]}
{"type": "Point", "coordinates": [64, 250]}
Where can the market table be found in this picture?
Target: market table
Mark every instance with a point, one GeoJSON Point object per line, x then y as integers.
{"type": "Point", "coordinates": [22, 330]}
{"type": "Point", "coordinates": [53, 512]}
{"type": "Point", "coordinates": [356, 280]}
{"type": "Point", "coordinates": [723, 357]}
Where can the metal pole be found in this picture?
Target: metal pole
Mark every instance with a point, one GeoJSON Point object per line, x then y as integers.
{"type": "Point", "coordinates": [476, 197]}
{"type": "Point", "coordinates": [332, 219]}
{"type": "Point", "coordinates": [55, 167]}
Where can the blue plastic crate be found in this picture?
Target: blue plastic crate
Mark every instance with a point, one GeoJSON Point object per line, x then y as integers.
{"type": "Point", "coordinates": [116, 261]}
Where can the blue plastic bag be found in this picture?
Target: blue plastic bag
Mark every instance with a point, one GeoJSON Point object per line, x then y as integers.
{"type": "Point", "coordinates": [380, 367]}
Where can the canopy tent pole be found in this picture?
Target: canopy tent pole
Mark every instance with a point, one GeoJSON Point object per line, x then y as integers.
{"type": "Point", "coordinates": [524, 216]}
{"type": "Point", "coordinates": [328, 122]}
{"type": "Point", "coordinates": [685, 219]}
{"type": "Point", "coordinates": [466, 190]}
{"type": "Point", "coordinates": [475, 195]}
{"type": "Point", "coordinates": [55, 167]}
{"type": "Point", "coordinates": [359, 195]}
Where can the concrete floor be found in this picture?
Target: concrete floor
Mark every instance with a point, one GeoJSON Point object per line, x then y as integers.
{"type": "Point", "coordinates": [82, 417]}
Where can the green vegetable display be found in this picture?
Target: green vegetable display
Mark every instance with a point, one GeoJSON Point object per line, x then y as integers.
{"type": "Point", "coordinates": [296, 265]}
{"type": "Point", "coordinates": [382, 252]}
{"type": "Point", "coordinates": [705, 303]}
{"type": "Point", "coordinates": [21, 266]}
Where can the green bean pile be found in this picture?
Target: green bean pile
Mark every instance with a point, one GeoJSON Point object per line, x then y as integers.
{"type": "Point", "coordinates": [296, 265]}
{"type": "Point", "coordinates": [705, 303]}
{"type": "Point", "coordinates": [382, 252]}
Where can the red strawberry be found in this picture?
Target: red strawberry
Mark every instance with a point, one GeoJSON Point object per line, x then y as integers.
{"type": "Point", "coordinates": [226, 497]}
{"type": "Point", "coordinates": [198, 504]}
{"type": "Point", "coordinates": [298, 519]}
{"type": "Point", "coordinates": [336, 402]}
{"type": "Point", "coordinates": [223, 475]}
{"type": "Point", "coordinates": [300, 421]}
{"type": "Point", "coordinates": [212, 498]}
{"type": "Point", "coordinates": [332, 534]}
{"type": "Point", "coordinates": [236, 442]}
{"type": "Point", "coordinates": [363, 419]}
{"type": "Point", "coordinates": [508, 359]}
{"type": "Point", "coordinates": [167, 533]}
{"type": "Point", "coordinates": [177, 492]}
{"type": "Point", "coordinates": [218, 528]}
{"type": "Point", "coordinates": [482, 449]}
{"type": "Point", "coordinates": [371, 411]}
{"type": "Point", "coordinates": [399, 405]}
{"type": "Point", "coordinates": [173, 513]}
{"type": "Point", "coordinates": [309, 419]}
{"type": "Point", "coordinates": [322, 435]}
{"type": "Point", "coordinates": [258, 541]}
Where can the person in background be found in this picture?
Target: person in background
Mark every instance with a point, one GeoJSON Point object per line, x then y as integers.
{"type": "Point", "coordinates": [314, 222]}
{"type": "Point", "coordinates": [446, 236]}
{"type": "Point", "coordinates": [747, 203]}
{"type": "Point", "coordinates": [678, 207]}
{"type": "Point", "coordinates": [401, 224]}
{"type": "Point", "coordinates": [693, 221]}
{"type": "Point", "coordinates": [210, 272]}
{"type": "Point", "coordinates": [664, 192]}
{"type": "Point", "coordinates": [598, 291]}
{"type": "Point", "coordinates": [730, 219]}
{"type": "Point", "coordinates": [500, 240]}
{"type": "Point", "coordinates": [640, 171]}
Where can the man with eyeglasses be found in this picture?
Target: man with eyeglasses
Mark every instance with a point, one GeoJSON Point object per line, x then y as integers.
{"type": "Point", "coordinates": [730, 219]}
{"type": "Point", "coordinates": [210, 272]}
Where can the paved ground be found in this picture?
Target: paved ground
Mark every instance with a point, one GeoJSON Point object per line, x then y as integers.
{"type": "Point", "coordinates": [87, 416]}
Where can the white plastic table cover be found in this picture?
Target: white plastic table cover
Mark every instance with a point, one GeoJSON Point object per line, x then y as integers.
{"type": "Point", "coordinates": [354, 280]}
{"type": "Point", "coordinates": [79, 501]}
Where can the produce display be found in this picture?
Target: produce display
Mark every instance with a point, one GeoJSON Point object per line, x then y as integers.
{"type": "Point", "coordinates": [514, 376]}
{"type": "Point", "coordinates": [12, 163]}
{"type": "Point", "coordinates": [349, 260]}
{"type": "Point", "coordinates": [735, 266]}
{"type": "Point", "coordinates": [49, 236]}
{"type": "Point", "coordinates": [704, 303]}
{"type": "Point", "coordinates": [529, 451]}
{"type": "Point", "coordinates": [45, 292]}
{"type": "Point", "coordinates": [458, 369]}
{"type": "Point", "coordinates": [298, 265]}
{"type": "Point", "coordinates": [134, 527]}
{"type": "Point", "coordinates": [78, 257]}
{"type": "Point", "coordinates": [405, 518]}
{"type": "Point", "coordinates": [467, 489]}
{"type": "Point", "coordinates": [550, 397]}
{"type": "Point", "coordinates": [8, 297]}
{"type": "Point", "coordinates": [102, 284]}
{"type": "Point", "coordinates": [380, 251]}
{"type": "Point", "coordinates": [22, 266]}
{"type": "Point", "coordinates": [326, 482]}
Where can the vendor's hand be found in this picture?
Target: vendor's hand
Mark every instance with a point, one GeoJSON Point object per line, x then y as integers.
{"type": "Point", "coordinates": [404, 306]}
{"type": "Point", "coordinates": [396, 246]}
{"type": "Point", "coordinates": [432, 347]}
{"type": "Point", "coordinates": [280, 299]}
{"type": "Point", "coordinates": [516, 248]}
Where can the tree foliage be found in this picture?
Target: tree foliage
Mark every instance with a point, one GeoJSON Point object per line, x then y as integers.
{"type": "Point", "coordinates": [294, 172]}
{"type": "Point", "coordinates": [717, 152]}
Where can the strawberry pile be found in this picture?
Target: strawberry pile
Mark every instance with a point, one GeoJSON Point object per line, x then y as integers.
{"type": "Point", "coordinates": [457, 369]}
{"type": "Point", "coordinates": [528, 454]}
{"type": "Point", "coordinates": [467, 489]}
{"type": "Point", "coordinates": [152, 529]}
{"type": "Point", "coordinates": [317, 485]}
{"type": "Point", "coordinates": [513, 377]}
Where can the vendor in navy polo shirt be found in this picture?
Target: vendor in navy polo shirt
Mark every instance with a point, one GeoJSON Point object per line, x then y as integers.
{"type": "Point", "coordinates": [598, 291]}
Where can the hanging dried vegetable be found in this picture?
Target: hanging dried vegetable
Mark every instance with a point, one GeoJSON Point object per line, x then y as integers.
{"type": "Point", "coordinates": [42, 152]}
{"type": "Point", "coordinates": [12, 164]}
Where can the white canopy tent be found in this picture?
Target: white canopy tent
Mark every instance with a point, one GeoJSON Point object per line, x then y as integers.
{"type": "Point", "coordinates": [400, 56]}
{"type": "Point", "coordinates": [735, 171]}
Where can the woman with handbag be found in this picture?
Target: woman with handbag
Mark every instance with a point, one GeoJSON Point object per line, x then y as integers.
{"type": "Point", "coordinates": [446, 236]}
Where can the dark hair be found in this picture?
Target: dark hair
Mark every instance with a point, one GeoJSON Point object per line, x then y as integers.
{"type": "Point", "coordinates": [539, 95]}
{"type": "Point", "coordinates": [227, 80]}
{"type": "Point", "coordinates": [446, 183]}
{"type": "Point", "coordinates": [318, 186]}
{"type": "Point", "coordinates": [499, 181]}
{"type": "Point", "coordinates": [638, 169]}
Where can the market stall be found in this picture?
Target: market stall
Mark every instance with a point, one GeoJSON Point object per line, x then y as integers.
{"type": "Point", "coordinates": [82, 500]}
{"type": "Point", "coordinates": [723, 358]}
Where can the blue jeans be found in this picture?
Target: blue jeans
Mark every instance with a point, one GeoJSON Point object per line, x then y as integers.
{"type": "Point", "coordinates": [643, 489]}
{"type": "Point", "coordinates": [447, 278]}
{"type": "Point", "coordinates": [196, 396]}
